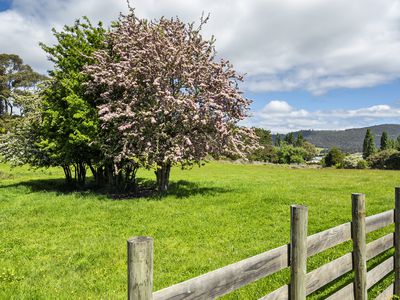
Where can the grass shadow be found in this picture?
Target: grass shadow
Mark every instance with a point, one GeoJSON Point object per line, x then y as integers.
{"type": "Point", "coordinates": [146, 189]}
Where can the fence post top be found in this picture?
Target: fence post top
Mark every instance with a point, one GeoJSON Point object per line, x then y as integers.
{"type": "Point", "coordinates": [358, 195]}
{"type": "Point", "coordinates": [298, 206]}
{"type": "Point", "coordinates": [140, 239]}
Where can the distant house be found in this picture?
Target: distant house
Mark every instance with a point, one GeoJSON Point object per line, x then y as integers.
{"type": "Point", "coordinates": [316, 160]}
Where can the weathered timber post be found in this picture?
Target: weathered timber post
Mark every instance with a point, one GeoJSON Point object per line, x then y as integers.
{"type": "Point", "coordinates": [140, 268]}
{"type": "Point", "coordinates": [358, 233]}
{"type": "Point", "coordinates": [298, 252]}
{"type": "Point", "coordinates": [397, 242]}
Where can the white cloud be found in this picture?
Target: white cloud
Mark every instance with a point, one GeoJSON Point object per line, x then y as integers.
{"type": "Point", "coordinates": [277, 106]}
{"type": "Point", "coordinates": [279, 116]}
{"type": "Point", "coordinates": [21, 36]}
{"type": "Point", "coordinates": [316, 45]}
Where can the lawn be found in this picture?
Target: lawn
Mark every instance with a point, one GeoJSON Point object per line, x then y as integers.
{"type": "Point", "coordinates": [56, 244]}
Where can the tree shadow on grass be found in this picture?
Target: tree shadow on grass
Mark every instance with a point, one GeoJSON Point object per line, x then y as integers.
{"type": "Point", "coordinates": [146, 189]}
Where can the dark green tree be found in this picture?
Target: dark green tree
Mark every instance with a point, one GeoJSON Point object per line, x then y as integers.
{"type": "Point", "coordinates": [264, 136]}
{"type": "Point", "coordinates": [15, 78]}
{"type": "Point", "coordinates": [300, 140]}
{"type": "Point", "coordinates": [70, 123]}
{"type": "Point", "coordinates": [334, 157]}
{"type": "Point", "coordinates": [289, 138]}
{"type": "Point", "coordinates": [278, 140]}
{"type": "Point", "coordinates": [391, 144]}
{"type": "Point", "coordinates": [266, 151]}
{"type": "Point", "coordinates": [397, 143]}
{"type": "Point", "coordinates": [385, 143]}
{"type": "Point", "coordinates": [369, 144]}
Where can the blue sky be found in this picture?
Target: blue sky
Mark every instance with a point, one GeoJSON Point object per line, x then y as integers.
{"type": "Point", "coordinates": [5, 4]}
{"type": "Point", "coordinates": [309, 64]}
{"type": "Point", "coordinates": [333, 99]}
{"type": "Point", "coordinates": [335, 109]}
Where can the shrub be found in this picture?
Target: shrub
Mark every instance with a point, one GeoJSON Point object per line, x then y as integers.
{"type": "Point", "coordinates": [7, 123]}
{"type": "Point", "coordinates": [334, 158]}
{"type": "Point", "coordinates": [379, 159]}
{"type": "Point", "coordinates": [264, 153]}
{"type": "Point", "coordinates": [393, 162]}
{"type": "Point", "coordinates": [351, 161]}
{"type": "Point", "coordinates": [288, 154]}
{"type": "Point", "coordinates": [362, 164]}
{"type": "Point", "coordinates": [310, 151]}
{"type": "Point", "coordinates": [296, 159]}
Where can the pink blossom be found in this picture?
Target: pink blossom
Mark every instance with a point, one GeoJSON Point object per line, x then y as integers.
{"type": "Point", "coordinates": [165, 94]}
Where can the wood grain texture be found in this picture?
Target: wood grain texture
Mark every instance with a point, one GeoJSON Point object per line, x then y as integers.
{"type": "Point", "coordinates": [397, 243]}
{"type": "Point", "coordinates": [380, 245]}
{"type": "Point", "coordinates": [329, 238]}
{"type": "Point", "coordinates": [373, 277]}
{"type": "Point", "coordinates": [224, 280]}
{"type": "Point", "coordinates": [281, 293]}
{"type": "Point", "coordinates": [229, 278]}
{"type": "Point", "coordinates": [386, 294]}
{"type": "Point", "coordinates": [379, 221]}
{"type": "Point", "coordinates": [334, 269]}
{"type": "Point", "coordinates": [298, 252]}
{"type": "Point", "coordinates": [328, 272]}
{"type": "Point", "coordinates": [358, 233]}
{"type": "Point", "coordinates": [140, 268]}
{"type": "Point", "coordinates": [340, 266]}
{"type": "Point", "coordinates": [380, 271]}
{"type": "Point", "coordinates": [345, 293]}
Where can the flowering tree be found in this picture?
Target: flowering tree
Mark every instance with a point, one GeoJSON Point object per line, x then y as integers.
{"type": "Point", "coordinates": [164, 98]}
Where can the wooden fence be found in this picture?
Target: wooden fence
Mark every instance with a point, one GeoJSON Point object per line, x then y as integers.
{"type": "Point", "coordinates": [294, 255]}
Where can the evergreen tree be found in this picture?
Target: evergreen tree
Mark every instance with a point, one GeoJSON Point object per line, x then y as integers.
{"type": "Point", "coordinates": [278, 140]}
{"type": "Point", "coordinates": [385, 143]}
{"type": "Point", "coordinates": [289, 138]}
{"type": "Point", "coordinates": [265, 138]}
{"type": "Point", "coordinates": [299, 140]}
{"type": "Point", "coordinates": [369, 144]}
{"type": "Point", "coordinates": [391, 143]}
{"type": "Point", "coordinates": [397, 143]}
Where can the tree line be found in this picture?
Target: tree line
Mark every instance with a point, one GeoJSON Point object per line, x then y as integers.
{"type": "Point", "coordinates": [286, 149]}
{"type": "Point", "coordinates": [386, 156]}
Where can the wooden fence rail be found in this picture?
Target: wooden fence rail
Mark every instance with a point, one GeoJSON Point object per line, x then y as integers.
{"type": "Point", "coordinates": [294, 255]}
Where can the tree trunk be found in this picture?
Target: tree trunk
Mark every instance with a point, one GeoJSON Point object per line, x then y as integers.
{"type": "Point", "coordinates": [130, 177]}
{"type": "Point", "coordinates": [97, 173]}
{"type": "Point", "coordinates": [80, 173]}
{"type": "Point", "coordinates": [162, 175]}
{"type": "Point", "coordinates": [68, 175]}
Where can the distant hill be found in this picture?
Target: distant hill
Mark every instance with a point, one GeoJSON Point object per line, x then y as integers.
{"type": "Point", "coordinates": [349, 140]}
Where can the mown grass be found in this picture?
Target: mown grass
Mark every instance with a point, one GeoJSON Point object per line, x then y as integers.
{"type": "Point", "coordinates": [56, 244]}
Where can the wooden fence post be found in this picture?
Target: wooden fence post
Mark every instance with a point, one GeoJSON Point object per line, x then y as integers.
{"type": "Point", "coordinates": [140, 268]}
{"type": "Point", "coordinates": [358, 233]}
{"type": "Point", "coordinates": [397, 242]}
{"type": "Point", "coordinates": [298, 252]}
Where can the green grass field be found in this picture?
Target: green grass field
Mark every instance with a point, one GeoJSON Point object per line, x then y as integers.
{"type": "Point", "coordinates": [61, 245]}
